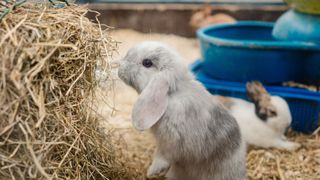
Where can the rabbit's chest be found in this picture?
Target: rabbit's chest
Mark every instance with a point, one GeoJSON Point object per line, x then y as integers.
{"type": "Point", "coordinates": [182, 139]}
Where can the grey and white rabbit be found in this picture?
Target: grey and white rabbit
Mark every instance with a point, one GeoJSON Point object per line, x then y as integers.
{"type": "Point", "coordinates": [263, 121]}
{"type": "Point", "coordinates": [197, 138]}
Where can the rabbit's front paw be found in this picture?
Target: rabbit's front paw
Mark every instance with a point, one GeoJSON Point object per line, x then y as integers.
{"type": "Point", "coordinates": [289, 145]}
{"type": "Point", "coordinates": [292, 146]}
{"type": "Point", "coordinates": [158, 168]}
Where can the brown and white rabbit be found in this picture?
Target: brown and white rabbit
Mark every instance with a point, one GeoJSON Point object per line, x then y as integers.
{"type": "Point", "coordinates": [263, 123]}
{"type": "Point", "coordinates": [197, 138]}
{"type": "Point", "coordinates": [204, 17]}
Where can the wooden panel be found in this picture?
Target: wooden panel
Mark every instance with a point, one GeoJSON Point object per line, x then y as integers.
{"type": "Point", "coordinates": [174, 18]}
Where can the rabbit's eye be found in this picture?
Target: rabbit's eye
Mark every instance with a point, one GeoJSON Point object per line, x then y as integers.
{"type": "Point", "coordinates": [147, 63]}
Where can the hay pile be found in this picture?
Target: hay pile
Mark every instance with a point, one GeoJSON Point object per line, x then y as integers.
{"type": "Point", "coordinates": [47, 62]}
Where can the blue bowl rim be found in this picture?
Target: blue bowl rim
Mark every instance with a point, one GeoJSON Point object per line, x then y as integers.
{"type": "Point", "coordinates": [276, 44]}
{"type": "Point", "coordinates": [287, 92]}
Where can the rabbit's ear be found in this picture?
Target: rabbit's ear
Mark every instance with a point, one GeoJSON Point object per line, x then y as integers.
{"type": "Point", "coordinates": [151, 103]}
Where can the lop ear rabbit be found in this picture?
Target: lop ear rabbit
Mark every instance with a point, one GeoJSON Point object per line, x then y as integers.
{"type": "Point", "coordinates": [264, 122]}
{"type": "Point", "coordinates": [196, 136]}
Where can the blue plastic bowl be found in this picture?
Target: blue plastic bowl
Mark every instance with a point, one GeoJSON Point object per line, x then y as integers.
{"type": "Point", "coordinates": [304, 105]}
{"type": "Point", "coordinates": [247, 51]}
{"type": "Point", "coordinates": [296, 26]}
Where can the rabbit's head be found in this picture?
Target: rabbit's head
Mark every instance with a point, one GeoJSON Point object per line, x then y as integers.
{"type": "Point", "coordinates": [154, 70]}
{"type": "Point", "coordinates": [199, 17]}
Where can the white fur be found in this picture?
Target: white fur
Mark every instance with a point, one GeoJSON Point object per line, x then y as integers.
{"type": "Point", "coordinates": [269, 133]}
{"type": "Point", "coordinates": [197, 138]}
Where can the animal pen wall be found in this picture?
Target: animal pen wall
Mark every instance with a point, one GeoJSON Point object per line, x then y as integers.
{"type": "Point", "coordinates": [173, 17]}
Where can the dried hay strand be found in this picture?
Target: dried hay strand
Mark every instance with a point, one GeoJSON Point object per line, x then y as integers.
{"type": "Point", "coordinates": [47, 63]}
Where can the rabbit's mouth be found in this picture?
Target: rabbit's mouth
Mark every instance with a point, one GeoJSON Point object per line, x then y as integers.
{"type": "Point", "coordinates": [130, 83]}
{"type": "Point", "coordinates": [126, 79]}
{"type": "Point", "coordinates": [122, 75]}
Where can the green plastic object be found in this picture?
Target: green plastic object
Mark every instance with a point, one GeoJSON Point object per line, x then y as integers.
{"type": "Point", "coordinates": [8, 9]}
{"type": "Point", "coordinates": [305, 6]}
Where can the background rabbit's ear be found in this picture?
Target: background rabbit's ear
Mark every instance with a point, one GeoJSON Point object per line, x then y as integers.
{"type": "Point", "coordinates": [151, 103]}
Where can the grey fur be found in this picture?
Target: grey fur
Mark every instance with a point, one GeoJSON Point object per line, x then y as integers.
{"type": "Point", "coordinates": [197, 138]}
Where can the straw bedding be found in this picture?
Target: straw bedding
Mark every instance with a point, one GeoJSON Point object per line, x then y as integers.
{"type": "Point", "coordinates": [47, 62]}
{"type": "Point", "coordinates": [302, 164]}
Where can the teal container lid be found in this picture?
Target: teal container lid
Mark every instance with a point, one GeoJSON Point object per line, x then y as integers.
{"type": "Point", "coordinates": [296, 26]}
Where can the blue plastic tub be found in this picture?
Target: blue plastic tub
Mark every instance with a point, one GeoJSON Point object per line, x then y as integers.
{"type": "Point", "coordinates": [304, 105]}
{"type": "Point", "coordinates": [247, 51]}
